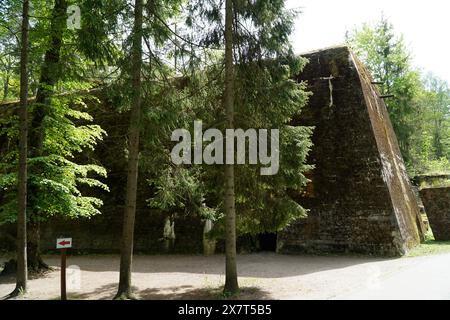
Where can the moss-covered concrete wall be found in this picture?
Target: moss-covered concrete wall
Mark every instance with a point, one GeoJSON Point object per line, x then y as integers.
{"type": "Point", "coordinates": [360, 199]}
{"type": "Point", "coordinates": [437, 206]}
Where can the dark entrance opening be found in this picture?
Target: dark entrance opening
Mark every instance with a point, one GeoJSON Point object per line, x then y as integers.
{"type": "Point", "coordinates": [268, 242]}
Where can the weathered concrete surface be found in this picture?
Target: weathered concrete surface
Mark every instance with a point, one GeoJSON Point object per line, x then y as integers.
{"type": "Point", "coordinates": [437, 207]}
{"type": "Point", "coordinates": [361, 198]}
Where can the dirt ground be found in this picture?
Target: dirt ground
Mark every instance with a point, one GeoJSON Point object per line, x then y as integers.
{"type": "Point", "coordinates": [262, 276]}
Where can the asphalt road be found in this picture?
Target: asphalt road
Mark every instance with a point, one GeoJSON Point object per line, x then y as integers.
{"type": "Point", "coordinates": [427, 279]}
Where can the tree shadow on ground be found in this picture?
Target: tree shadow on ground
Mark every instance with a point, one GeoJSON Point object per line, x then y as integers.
{"type": "Point", "coordinates": [190, 293]}
{"type": "Point", "coordinates": [11, 278]}
{"type": "Point", "coordinates": [260, 265]}
{"type": "Point", "coordinates": [183, 292]}
{"type": "Point", "coordinates": [105, 292]}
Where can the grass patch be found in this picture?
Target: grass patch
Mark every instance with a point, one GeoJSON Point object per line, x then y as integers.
{"type": "Point", "coordinates": [430, 247]}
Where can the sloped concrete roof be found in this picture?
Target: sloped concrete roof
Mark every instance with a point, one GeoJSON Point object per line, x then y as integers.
{"type": "Point", "coordinates": [360, 198]}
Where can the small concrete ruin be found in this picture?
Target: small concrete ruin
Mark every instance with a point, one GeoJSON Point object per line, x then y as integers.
{"type": "Point", "coordinates": [437, 207]}
{"type": "Point", "coordinates": [360, 197]}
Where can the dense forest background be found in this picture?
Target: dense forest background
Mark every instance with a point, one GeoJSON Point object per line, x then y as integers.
{"type": "Point", "coordinates": [420, 106]}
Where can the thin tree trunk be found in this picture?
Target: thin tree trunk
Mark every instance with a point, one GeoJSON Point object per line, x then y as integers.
{"type": "Point", "coordinates": [124, 290]}
{"type": "Point", "coordinates": [6, 86]}
{"type": "Point", "coordinates": [50, 74]}
{"type": "Point", "coordinates": [22, 269]}
{"type": "Point", "coordinates": [231, 280]}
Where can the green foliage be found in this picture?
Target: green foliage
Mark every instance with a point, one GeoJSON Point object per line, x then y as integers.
{"type": "Point", "coordinates": [183, 81]}
{"type": "Point", "coordinates": [266, 98]}
{"type": "Point", "coordinates": [181, 191]}
{"type": "Point", "coordinates": [388, 59]}
{"type": "Point", "coordinates": [55, 179]}
{"type": "Point", "coordinates": [9, 50]}
{"type": "Point", "coordinates": [420, 111]}
{"type": "Point", "coordinates": [432, 145]}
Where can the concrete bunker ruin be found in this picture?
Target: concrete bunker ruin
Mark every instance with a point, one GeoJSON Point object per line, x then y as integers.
{"type": "Point", "coordinates": [360, 197]}
{"type": "Point", "coordinates": [436, 201]}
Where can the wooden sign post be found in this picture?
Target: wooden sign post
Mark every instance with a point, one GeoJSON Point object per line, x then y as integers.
{"type": "Point", "coordinates": [63, 244]}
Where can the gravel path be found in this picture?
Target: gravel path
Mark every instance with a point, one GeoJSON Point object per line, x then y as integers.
{"type": "Point", "coordinates": [262, 276]}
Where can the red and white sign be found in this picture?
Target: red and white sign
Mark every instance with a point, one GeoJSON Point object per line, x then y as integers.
{"type": "Point", "coordinates": [63, 243]}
